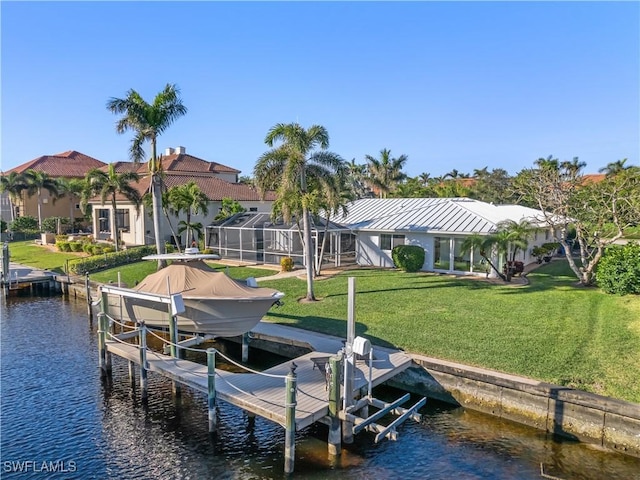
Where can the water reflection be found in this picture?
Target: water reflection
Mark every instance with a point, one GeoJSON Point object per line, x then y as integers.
{"type": "Point", "coordinates": [54, 406]}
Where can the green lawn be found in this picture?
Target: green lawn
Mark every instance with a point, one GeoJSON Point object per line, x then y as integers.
{"type": "Point", "coordinates": [549, 330]}
{"type": "Point", "coordinates": [29, 253]}
{"type": "Point", "coordinates": [133, 273]}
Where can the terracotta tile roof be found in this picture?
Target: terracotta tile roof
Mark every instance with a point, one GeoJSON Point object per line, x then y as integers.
{"type": "Point", "coordinates": [183, 162]}
{"type": "Point", "coordinates": [66, 164]}
{"type": "Point", "coordinates": [214, 188]}
{"type": "Point", "coordinates": [122, 167]}
{"type": "Point", "coordinates": [592, 178]}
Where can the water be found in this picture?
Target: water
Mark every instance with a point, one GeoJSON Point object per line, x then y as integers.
{"type": "Point", "coordinates": [55, 409]}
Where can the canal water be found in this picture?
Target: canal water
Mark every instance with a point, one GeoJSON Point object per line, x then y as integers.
{"type": "Point", "coordinates": [59, 420]}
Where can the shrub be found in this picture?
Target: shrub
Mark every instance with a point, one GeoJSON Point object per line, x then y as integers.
{"type": "Point", "coordinates": [26, 224]}
{"type": "Point", "coordinates": [50, 224]}
{"type": "Point", "coordinates": [169, 248]}
{"type": "Point", "coordinates": [87, 248]}
{"type": "Point", "coordinates": [286, 264]}
{"type": "Point", "coordinates": [409, 258]}
{"type": "Point", "coordinates": [619, 269]}
{"type": "Point", "coordinates": [97, 250]}
{"type": "Point", "coordinates": [63, 246]}
{"type": "Point", "coordinates": [76, 246]}
{"type": "Point", "coordinates": [110, 260]}
{"type": "Point", "coordinates": [108, 249]}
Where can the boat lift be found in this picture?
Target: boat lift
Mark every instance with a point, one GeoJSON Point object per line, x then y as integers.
{"type": "Point", "coordinates": [354, 414]}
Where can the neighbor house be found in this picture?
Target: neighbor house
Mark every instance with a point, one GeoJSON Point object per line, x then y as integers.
{"type": "Point", "coordinates": [70, 164]}
{"type": "Point", "coordinates": [217, 181]}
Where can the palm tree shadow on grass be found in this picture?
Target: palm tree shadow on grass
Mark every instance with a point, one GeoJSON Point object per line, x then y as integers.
{"type": "Point", "coordinates": [326, 325]}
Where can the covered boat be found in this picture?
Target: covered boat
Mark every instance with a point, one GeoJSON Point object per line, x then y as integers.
{"type": "Point", "coordinates": [215, 304]}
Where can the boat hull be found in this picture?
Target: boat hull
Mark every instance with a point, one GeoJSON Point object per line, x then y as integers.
{"type": "Point", "coordinates": [217, 317]}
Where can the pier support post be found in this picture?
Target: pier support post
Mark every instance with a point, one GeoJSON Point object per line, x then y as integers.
{"type": "Point", "coordinates": [132, 375]}
{"type": "Point", "coordinates": [335, 434]}
{"type": "Point", "coordinates": [88, 292]}
{"type": "Point", "coordinates": [349, 360]}
{"type": "Point", "coordinates": [290, 420]}
{"type": "Point", "coordinates": [175, 351]}
{"type": "Point", "coordinates": [245, 347]}
{"type": "Point", "coordinates": [211, 386]}
{"type": "Point", "coordinates": [143, 362]}
{"type": "Point", "coordinates": [102, 335]}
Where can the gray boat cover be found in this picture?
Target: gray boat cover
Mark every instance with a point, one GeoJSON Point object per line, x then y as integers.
{"type": "Point", "coordinates": [197, 279]}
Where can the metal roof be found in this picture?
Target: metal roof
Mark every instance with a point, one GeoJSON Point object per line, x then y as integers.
{"type": "Point", "coordinates": [433, 215]}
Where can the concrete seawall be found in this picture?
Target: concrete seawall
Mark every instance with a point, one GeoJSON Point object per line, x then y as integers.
{"type": "Point", "coordinates": [591, 418]}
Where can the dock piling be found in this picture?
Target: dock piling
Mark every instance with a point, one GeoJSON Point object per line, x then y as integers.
{"type": "Point", "coordinates": [290, 420]}
{"type": "Point", "coordinates": [143, 361]}
{"type": "Point", "coordinates": [245, 347]}
{"type": "Point", "coordinates": [211, 384]}
{"type": "Point", "coordinates": [335, 434]}
{"type": "Point", "coordinates": [102, 335]}
{"type": "Point", "coordinates": [88, 292]}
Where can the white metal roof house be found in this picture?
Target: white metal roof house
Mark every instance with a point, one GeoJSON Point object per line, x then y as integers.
{"type": "Point", "coordinates": [439, 225]}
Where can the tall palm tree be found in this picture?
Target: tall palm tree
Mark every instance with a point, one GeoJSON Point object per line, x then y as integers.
{"type": "Point", "coordinates": [148, 121]}
{"type": "Point", "coordinates": [37, 181]}
{"type": "Point", "coordinates": [109, 184]}
{"type": "Point", "coordinates": [13, 184]}
{"type": "Point", "coordinates": [385, 172]}
{"type": "Point", "coordinates": [71, 188]}
{"type": "Point", "coordinates": [190, 199]}
{"type": "Point", "coordinates": [424, 178]}
{"type": "Point", "coordinates": [518, 235]}
{"type": "Point", "coordinates": [287, 169]}
{"type": "Point", "coordinates": [357, 175]}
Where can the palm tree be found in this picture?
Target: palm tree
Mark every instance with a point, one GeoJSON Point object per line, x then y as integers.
{"type": "Point", "coordinates": [518, 235]}
{"type": "Point", "coordinates": [484, 244]}
{"type": "Point", "coordinates": [190, 199]}
{"type": "Point", "coordinates": [287, 169]}
{"type": "Point", "coordinates": [148, 121]}
{"type": "Point", "coordinates": [613, 168]}
{"type": "Point", "coordinates": [424, 178]}
{"type": "Point", "coordinates": [13, 184]}
{"type": "Point", "coordinates": [357, 175]}
{"type": "Point", "coordinates": [71, 188]}
{"type": "Point", "coordinates": [386, 172]}
{"type": "Point", "coordinates": [109, 184]}
{"type": "Point", "coordinates": [36, 181]}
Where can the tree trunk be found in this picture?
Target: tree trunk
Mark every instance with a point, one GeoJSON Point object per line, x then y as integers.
{"type": "Point", "coordinates": [308, 252]}
{"type": "Point", "coordinates": [156, 192]}
{"type": "Point", "coordinates": [114, 226]}
{"type": "Point", "coordinates": [39, 210]}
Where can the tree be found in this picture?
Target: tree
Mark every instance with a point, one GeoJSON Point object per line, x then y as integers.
{"type": "Point", "coordinates": [616, 167]}
{"type": "Point", "coordinates": [599, 211]}
{"type": "Point", "coordinates": [288, 168]}
{"type": "Point", "coordinates": [483, 244]}
{"type": "Point", "coordinates": [107, 185]}
{"type": "Point", "coordinates": [518, 234]}
{"type": "Point", "coordinates": [229, 208]}
{"type": "Point", "coordinates": [190, 199]}
{"type": "Point", "coordinates": [386, 172]}
{"type": "Point", "coordinates": [357, 175]}
{"type": "Point", "coordinates": [71, 188]}
{"type": "Point", "coordinates": [36, 181]}
{"type": "Point", "coordinates": [148, 121]}
{"type": "Point", "coordinates": [13, 184]}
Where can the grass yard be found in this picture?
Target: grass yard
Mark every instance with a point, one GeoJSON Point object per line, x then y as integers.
{"type": "Point", "coordinates": [29, 253]}
{"type": "Point", "coordinates": [549, 330]}
{"type": "Point", "coordinates": [133, 273]}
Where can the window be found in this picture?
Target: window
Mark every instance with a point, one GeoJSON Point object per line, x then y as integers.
{"type": "Point", "coordinates": [388, 241]}
{"type": "Point", "coordinates": [253, 209]}
{"type": "Point", "coordinates": [122, 219]}
{"type": "Point", "coordinates": [441, 250]}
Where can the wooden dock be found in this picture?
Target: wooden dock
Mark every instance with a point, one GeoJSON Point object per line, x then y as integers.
{"type": "Point", "coordinates": [263, 395]}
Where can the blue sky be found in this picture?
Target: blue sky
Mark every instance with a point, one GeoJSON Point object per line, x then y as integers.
{"type": "Point", "coordinates": [451, 85]}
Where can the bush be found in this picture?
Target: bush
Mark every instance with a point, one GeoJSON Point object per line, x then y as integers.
{"type": "Point", "coordinates": [108, 249]}
{"type": "Point", "coordinates": [63, 246]}
{"type": "Point", "coordinates": [409, 258]}
{"type": "Point", "coordinates": [286, 264]}
{"type": "Point", "coordinates": [110, 260]}
{"type": "Point", "coordinates": [50, 224]}
{"type": "Point", "coordinates": [169, 248]}
{"type": "Point", "coordinates": [87, 248]}
{"type": "Point", "coordinates": [96, 249]}
{"type": "Point", "coordinates": [26, 224]}
{"type": "Point", "coordinates": [76, 246]}
{"type": "Point", "coordinates": [619, 269]}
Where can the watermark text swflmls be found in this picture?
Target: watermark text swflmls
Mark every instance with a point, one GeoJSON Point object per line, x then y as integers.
{"type": "Point", "coordinates": [36, 466]}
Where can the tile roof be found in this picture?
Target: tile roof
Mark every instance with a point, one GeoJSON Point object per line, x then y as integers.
{"type": "Point", "coordinates": [183, 162]}
{"type": "Point", "coordinates": [434, 215]}
{"type": "Point", "coordinates": [65, 164]}
{"type": "Point", "coordinates": [213, 187]}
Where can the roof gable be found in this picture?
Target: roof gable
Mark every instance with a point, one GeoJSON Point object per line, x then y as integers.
{"type": "Point", "coordinates": [66, 164]}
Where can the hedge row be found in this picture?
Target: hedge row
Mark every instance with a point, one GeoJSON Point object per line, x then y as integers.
{"type": "Point", "coordinates": [110, 260]}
